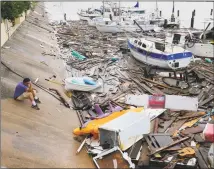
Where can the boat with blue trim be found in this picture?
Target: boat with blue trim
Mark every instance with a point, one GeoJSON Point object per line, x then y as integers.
{"type": "Point", "coordinates": [159, 53]}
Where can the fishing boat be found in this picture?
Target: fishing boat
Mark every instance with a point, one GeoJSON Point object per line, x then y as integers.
{"type": "Point", "coordinates": [137, 25]}
{"type": "Point", "coordinates": [109, 27]}
{"type": "Point", "coordinates": [92, 22]}
{"type": "Point", "coordinates": [200, 43]}
{"type": "Point", "coordinates": [81, 84]}
{"type": "Point", "coordinates": [89, 14]}
{"type": "Point", "coordinates": [157, 53]}
{"type": "Point", "coordinates": [155, 17]}
{"type": "Point", "coordinates": [173, 22]}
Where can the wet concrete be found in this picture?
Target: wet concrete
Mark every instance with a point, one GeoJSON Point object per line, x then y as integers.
{"type": "Point", "coordinates": [31, 138]}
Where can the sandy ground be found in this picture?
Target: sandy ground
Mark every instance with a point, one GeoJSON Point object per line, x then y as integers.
{"type": "Point", "coordinates": [31, 138]}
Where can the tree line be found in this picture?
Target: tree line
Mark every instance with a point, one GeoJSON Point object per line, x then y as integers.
{"type": "Point", "coordinates": [14, 9]}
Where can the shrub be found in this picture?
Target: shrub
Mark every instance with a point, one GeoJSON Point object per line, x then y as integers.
{"type": "Point", "coordinates": [13, 9]}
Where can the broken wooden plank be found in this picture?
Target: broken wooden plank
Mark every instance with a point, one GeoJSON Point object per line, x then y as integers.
{"type": "Point", "coordinates": [202, 164]}
{"type": "Point", "coordinates": [146, 88]}
{"type": "Point", "coordinates": [170, 145]}
{"type": "Point", "coordinates": [167, 124]}
{"type": "Point", "coordinates": [144, 158]}
{"type": "Point", "coordinates": [206, 101]}
{"type": "Point", "coordinates": [156, 125]}
{"type": "Point", "coordinates": [193, 130]}
{"type": "Point", "coordinates": [192, 116]}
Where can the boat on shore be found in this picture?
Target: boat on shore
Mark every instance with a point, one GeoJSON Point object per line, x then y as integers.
{"type": "Point", "coordinates": [200, 43]}
{"type": "Point", "coordinates": [109, 27]}
{"type": "Point", "coordinates": [157, 53]}
{"type": "Point", "coordinates": [86, 15]}
{"type": "Point", "coordinates": [81, 84]}
{"type": "Point", "coordinates": [156, 18]}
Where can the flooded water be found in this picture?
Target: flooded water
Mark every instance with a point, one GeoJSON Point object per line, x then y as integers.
{"type": "Point", "coordinates": [203, 9]}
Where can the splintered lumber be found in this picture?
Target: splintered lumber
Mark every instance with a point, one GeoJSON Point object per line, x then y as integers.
{"type": "Point", "coordinates": [162, 85]}
{"type": "Point", "coordinates": [192, 116]}
{"type": "Point", "coordinates": [206, 101]}
{"type": "Point", "coordinates": [170, 145]}
{"type": "Point", "coordinates": [156, 125]}
{"type": "Point", "coordinates": [143, 86]}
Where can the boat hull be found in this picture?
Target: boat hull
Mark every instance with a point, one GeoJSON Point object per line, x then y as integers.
{"type": "Point", "coordinates": [87, 17]}
{"type": "Point", "coordinates": [136, 28]}
{"type": "Point", "coordinates": [202, 50]}
{"type": "Point", "coordinates": [155, 60]}
{"type": "Point", "coordinates": [91, 23]}
{"type": "Point", "coordinates": [159, 62]}
{"type": "Point", "coordinates": [108, 28]}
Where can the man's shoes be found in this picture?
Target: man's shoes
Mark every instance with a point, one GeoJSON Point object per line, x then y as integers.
{"type": "Point", "coordinates": [37, 101]}
{"type": "Point", "coordinates": [35, 107]}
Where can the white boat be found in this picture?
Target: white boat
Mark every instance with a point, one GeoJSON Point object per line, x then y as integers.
{"type": "Point", "coordinates": [156, 18]}
{"type": "Point", "coordinates": [199, 43]}
{"type": "Point", "coordinates": [109, 27]}
{"type": "Point", "coordinates": [122, 26]}
{"type": "Point", "coordinates": [78, 84]}
{"type": "Point", "coordinates": [131, 26]}
{"type": "Point", "coordinates": [99, 20]}
{"type": "Point", "coordinates": [88, 14]}
{"type": "Point", "coordinates": [173, 22]}
{"type": "Point", "coordinates": [158, 53]}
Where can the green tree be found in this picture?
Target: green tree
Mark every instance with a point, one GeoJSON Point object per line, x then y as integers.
{"type": "Point", "coordinates": [14, 9]}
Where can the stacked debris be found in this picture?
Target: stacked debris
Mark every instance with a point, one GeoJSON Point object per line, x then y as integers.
{"type": "Point", "coordinates": [175, 135]}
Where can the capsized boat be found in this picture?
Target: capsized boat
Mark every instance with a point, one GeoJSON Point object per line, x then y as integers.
{"type": "Point", "coordinates": [81, 84]}
{"type": "Point", "coordinates": [158, 53]}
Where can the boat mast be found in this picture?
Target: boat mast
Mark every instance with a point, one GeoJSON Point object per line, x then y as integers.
{"type": "Point", "coordinates": [119, 12]}
{"type": "Point", "coordinates": [103, 9]}
{"type": "Point", "coordinates": [173, 9]}
{"type": "Point", "coordinates": [157, 9]}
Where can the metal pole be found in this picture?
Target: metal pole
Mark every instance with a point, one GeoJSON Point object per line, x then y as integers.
{"type": "Point", "coordinates": [119, 11]}
{"type": "Point", "coordinates": [103, 8]}
{"type": "Point", "coordinates": [157, 12]}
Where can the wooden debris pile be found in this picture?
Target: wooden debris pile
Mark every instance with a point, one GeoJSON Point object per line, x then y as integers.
{"type": "Point", "coordinates": [176, 137]}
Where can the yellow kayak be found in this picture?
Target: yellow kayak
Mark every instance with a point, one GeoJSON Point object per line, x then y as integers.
{"type": "Point", "coordinates": [92, 126]}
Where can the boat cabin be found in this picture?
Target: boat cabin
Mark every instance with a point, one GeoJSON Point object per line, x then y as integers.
{"type": "Point", "coordinates": [148, 45]}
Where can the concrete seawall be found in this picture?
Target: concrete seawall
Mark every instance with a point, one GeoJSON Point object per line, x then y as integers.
{"type": "Point", "coordinates": [7, 29]}
{"type": "Point", "coordinates": [31, 138]}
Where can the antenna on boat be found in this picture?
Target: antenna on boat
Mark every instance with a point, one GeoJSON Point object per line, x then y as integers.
{"type": "Point", "coordinates": [173, 8]}
{"type": "Point", "coordinates": [119, 12]}
{"type": "Point", "coordinates": [103, 8]}
{"type": "Point", "coordinates": [157, 9]}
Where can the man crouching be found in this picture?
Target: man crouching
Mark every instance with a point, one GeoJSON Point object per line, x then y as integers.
{"type": "Point", "coordinates": [24, 91]}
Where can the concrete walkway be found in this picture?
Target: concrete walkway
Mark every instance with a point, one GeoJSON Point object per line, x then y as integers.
{"type": "Point", "coordinates": [32, 138]}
